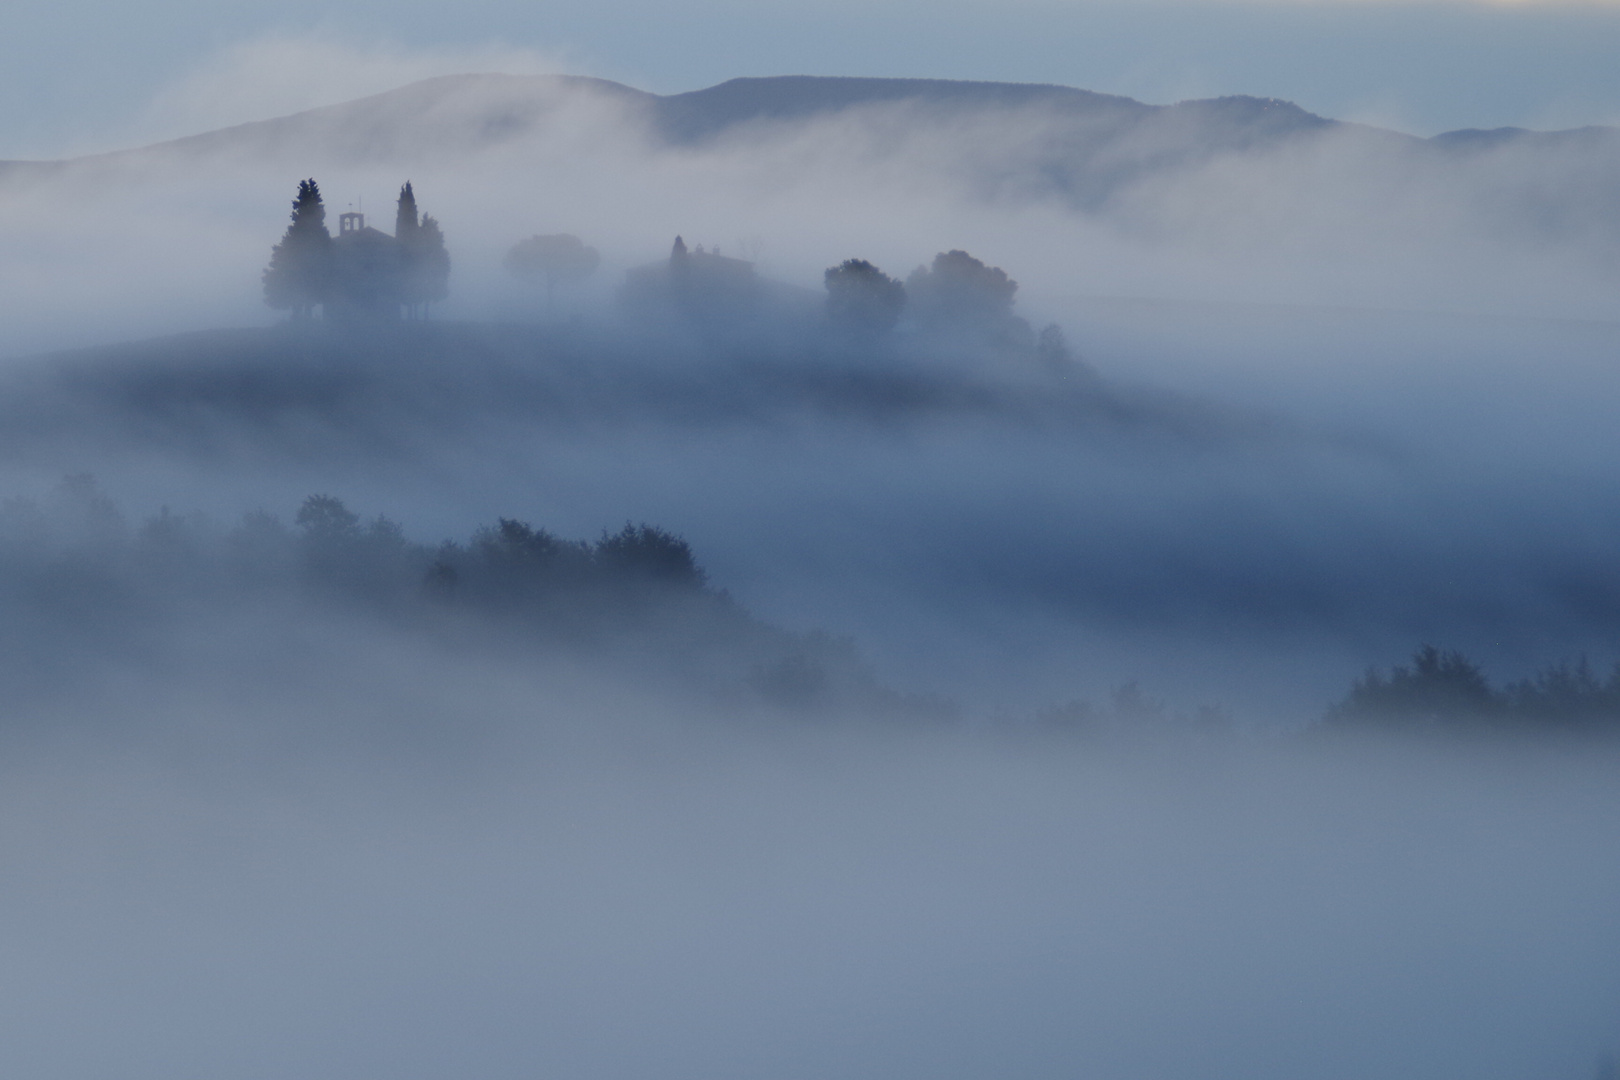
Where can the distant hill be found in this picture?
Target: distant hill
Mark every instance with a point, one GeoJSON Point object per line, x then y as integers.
{"type": "Point", "coordinates": [701, 114]}
{"type": "Point", "coordinates": [467, 112]}
{"type": "Point", "coordinates": [999, 140]}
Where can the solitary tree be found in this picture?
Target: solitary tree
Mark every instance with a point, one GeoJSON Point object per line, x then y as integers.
{"type": "Point", "coordinates": [405, 221]}
{"type": "Point", "coordinates": [863, 299]}
{"type": "Point", "coordinates": [407, 230]}
{"type": "Point", "coordinates": [300, 271]}
{"type": "Point", "coordinates": [556, 259]}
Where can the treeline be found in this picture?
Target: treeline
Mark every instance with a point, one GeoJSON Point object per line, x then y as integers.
{"type": "Point", "coordinates": [956, 304]}
{"type": "Point", "coordinates": [81, 586]}
{"type": "Point", "coordinates": [1444, 690]}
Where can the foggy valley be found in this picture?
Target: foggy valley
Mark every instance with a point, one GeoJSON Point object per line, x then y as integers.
{"type": "Point", "coordinates": [814, 578]}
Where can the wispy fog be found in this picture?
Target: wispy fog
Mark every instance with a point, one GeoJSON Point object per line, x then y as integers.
{"type": "Point", "coordinates": [1087, 197]}
{"type": "Point", "coordinates": [656, 669]}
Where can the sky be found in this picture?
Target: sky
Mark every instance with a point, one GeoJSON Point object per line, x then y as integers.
{"type": "Point", "coordinates": [80, 76]}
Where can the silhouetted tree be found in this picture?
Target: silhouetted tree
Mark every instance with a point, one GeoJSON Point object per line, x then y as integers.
{"type": "Point", "coordinates": [516, 546]}
{"type": "Point", "coordinates": [300, 271]}
{"type": "Point", "coordinates": [648, 552]}
{"type": "Point", "coordinates": [862, 299]}
{"type": "Point", "coordinates": [557, 258]}
{"type": "Point", "coordinates": [405, 220]}
{"type": "Point", "coordinates": [1438, 688]}
{"type": "Point", "coordinates": [325, 518]}
{"type": "Point", "coordinates": [958, 288]}
{"type": "Point", "coordinates": [427, 263]}
{"type": "Point", "coordinates": [1567, 694]}
{"type": "Point", "coordinates": [963, 302]}
{"type": "Point", "coordinates": [407, 228]}
{"type": "Point", "coordinates": [340, 555]}
{"type": "Point", "coordinates": [1445, 688]}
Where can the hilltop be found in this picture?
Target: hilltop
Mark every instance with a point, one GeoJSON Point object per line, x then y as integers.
{"type": "Point", "coordinates": [1084, 142]}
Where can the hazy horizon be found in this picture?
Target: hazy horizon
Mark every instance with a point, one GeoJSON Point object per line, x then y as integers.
{"type": "Point", "coordinates": [151, 71]}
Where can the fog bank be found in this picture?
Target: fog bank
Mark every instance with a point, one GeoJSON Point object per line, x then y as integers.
{"type": "Point", "coordinates": [431, 865]}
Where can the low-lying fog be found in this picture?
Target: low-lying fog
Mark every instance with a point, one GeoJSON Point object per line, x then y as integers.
{"type": "Point", "coordinates": [424, 867]}
{"type": "Point", "coordinates": [286, 787]}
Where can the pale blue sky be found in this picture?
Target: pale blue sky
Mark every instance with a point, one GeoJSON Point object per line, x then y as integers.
{"type": "Point", "coordinates": [77, 74]}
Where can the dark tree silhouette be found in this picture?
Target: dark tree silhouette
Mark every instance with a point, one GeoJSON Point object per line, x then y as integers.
{"type": "Point", "coordinates": [300, 271]}
{"type": "Point", "coordinates": [1568, 694]}
{"type": "Point", "coordinates": [556, 259]}
{"type": "Point", "coordinates": [514, 546]}
{"type": "Point", "coordinates": [958, 288]}
{"type": "Point", "coordinates": [1439, 688]}
{"type": "Point", "coordinates": [427, 265]}
{"type": "Point", "coordinates": [405, 220]}
{"type": "Point", "coordinates": [424, 264]}
{"type": "Point", "coordinates": [862, 299]}
{"type": "Point", "coordinates": [1445, 689]}
{"type": "Point", "coordinates": [323, 517]}
{"type": "Point", "coordinates": [648, 552]}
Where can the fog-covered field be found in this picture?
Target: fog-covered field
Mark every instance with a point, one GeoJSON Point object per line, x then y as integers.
{"type": "Point", "coordinates": [581, 685]}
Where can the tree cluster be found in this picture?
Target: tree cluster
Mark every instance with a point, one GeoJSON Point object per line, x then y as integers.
{"type": "Point", "coordinates": [81, 583]}
{"type": "Point", "coordinates": [362, 272]}
{"type": "Point", "coordinates": [513, 566]}
{"type": "Point", "coordinates": [1444, 690]}
{"type": "Point", "coordinates": [957, 299]}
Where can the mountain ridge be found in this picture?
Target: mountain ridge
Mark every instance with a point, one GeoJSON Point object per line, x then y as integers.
{"type": "Point", "coordinates": [513, 103]}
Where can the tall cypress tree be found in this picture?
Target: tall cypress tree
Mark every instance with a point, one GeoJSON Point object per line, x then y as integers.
{"type": "Point", "coordinates": [406, 230]}
{"type": "Point", "coordinates": [405, 223]}
{"type": "Point", "coordinates": [300, 272]}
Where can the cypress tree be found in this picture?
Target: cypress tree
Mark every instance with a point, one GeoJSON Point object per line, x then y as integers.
{"type": "Point", "coordinates": [406, 229]}
{"type": "Point", "coordinates": [300, 271]}
{"type": "Point", "coordinates": [405, 223]}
